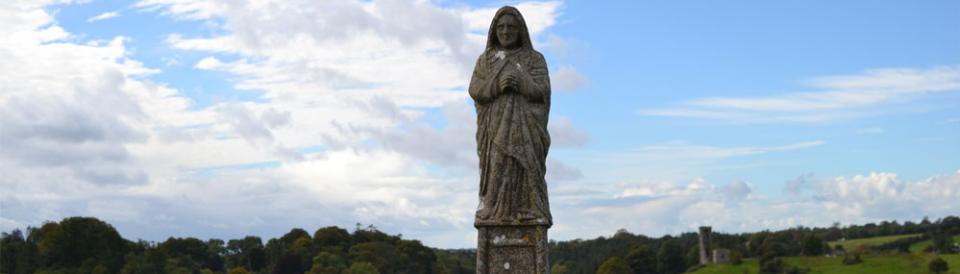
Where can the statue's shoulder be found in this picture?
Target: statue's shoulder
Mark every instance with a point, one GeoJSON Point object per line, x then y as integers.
{"type": "Point", "coordinates": [533, 55]}
{"type": "Point", "coordinates": [536, 53]}
{"type": "Point", "coordinates": [487, 53]}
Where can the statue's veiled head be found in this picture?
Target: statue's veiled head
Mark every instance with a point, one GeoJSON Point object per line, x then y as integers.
{"type": "Point", "coordinates": [508, 30]}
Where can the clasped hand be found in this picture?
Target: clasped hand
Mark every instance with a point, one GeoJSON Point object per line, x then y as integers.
{"type": "Point", "coordinates": [509, 82]}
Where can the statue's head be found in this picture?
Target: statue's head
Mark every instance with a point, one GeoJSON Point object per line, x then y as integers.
{"type": "Point", "coordinates": [508, 30]}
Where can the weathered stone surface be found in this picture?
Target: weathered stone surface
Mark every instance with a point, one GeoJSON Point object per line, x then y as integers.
{"type": "Point", "coordinates": [512, 249]}
{"type": "Point", "coordinates": [721, 256]}
{"type": "Point", "coordinates": [511, 91]}
{"type": "Point", "coordinates": [510, 87]}
{"type": "Point", "coordinates": [704, 238]}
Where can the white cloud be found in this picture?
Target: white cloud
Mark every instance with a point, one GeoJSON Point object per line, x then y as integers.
{"type": "Point", "coordinates": [103, 16]}
{"type": "Point", "coordinates": [736, 191]}
{"type": "Point", "coordinates": [677, 160]}
{"type": "Point", "coordinates": [841, 98]}
{"type": "Point", "coordinates": [70, 113]}
{"type": "Point", "coordinates": [208, 63]}
{"type": "Point", "coordinates": [557, 171]}
{"type": "Point", "coordinates": [872, 130]}
{"type": "Point", "coordinates": [538, 16]}
{"type": "Point", "coordinates": [340, 136]}
{"type": "Point", "coordinates": [336, 139]}
{"type": "Point", "coordinates": [895, 80]}
{"type": "Point", "coordinates": [564, 134]}
{"type": "Point", "coordinates": [566, 78]}
{"type": "Point", "coordinates": [451, 146]}
{"type": "Point", "coordinates": [880, 195]}
{"type": "Point", "coordinates": [411, 53]}
{"type": "Point", "coordinates": [657, 208]}
{"type": "Point", "coordinates": [691, 151]}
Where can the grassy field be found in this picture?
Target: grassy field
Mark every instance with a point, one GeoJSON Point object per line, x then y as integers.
{"type": "Point", "coordinates": [919, 247]}
{"type": "Point", "coordinates": [915, 263]}
{"type": "Point", "coordinates": [851, 245]}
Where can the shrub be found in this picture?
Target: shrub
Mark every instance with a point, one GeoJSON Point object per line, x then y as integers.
{"type": "Point", "coordinates": [773, 266]}
{"type": "Point", "coordinates": [938, 265]}
{"type": "Point", "coordinates": [797, 270]}
{"type": "Point", "coordinates": [238, 270]}
{"type": "Point", "coordinates": [852, 259]}
{"type": "Point", "coordinates": [736, 258]}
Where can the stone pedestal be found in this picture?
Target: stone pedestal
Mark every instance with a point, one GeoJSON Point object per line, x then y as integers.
{"type": "Point", "coordinates": [520, 249]}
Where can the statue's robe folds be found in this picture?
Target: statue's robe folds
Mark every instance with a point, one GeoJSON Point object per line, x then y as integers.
{"type": "Point", "coordinates": [512, 138]}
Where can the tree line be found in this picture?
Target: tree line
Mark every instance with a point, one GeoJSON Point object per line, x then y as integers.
{"type": "Point", "coordinates": [88, 245]}
{"type": "Point", "coordinates": [625, 252]}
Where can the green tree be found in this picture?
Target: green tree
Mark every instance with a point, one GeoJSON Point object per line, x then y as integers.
{"type": "Point", "coordinates": [180, 264]}
{"type": "Point", "coordinates": [361, 268]}
{"type": "Point", "coordinates": [282, 248]}
{"type": "Point", "coordinates": [11, 245]}
{"type": "Point", "coordinates": [693, 256]}
{"type": "Point", "coordinates": [192, 249]}
{"type": "Point", "coordinates": [304, 249]}
{"type": "Point", "coordinates": [179, 270]}
{"type": "Point", "coordinates": [938, 265]}
{"type": "Point", "coordinates": [414, 257]}
{"type": "Point", "coordinates": [773, 246]}
{"type": "Point", "coordinates": [288, 264]}
{"type": "Point", "coordinates": [75, 240]}
{"type": "Point", "coordinates": [813, 246]}
{"type": "Point", "coordinates": [55, 271]}
{"type": "Point", "coordinates": [302, 245]}
{"type": "Point", "coordinates": [736, 258]}
{"type": "Point", "coordinates": [642, 259]}
{"type": "Point", "coordinates": [615, 265]}
{"type": "Point", "coordinates": [772, 266]}
{"type": "Point", "coordinates": [216, 250]}
{"type": "Point", "coordinates": [440, 269]}
{"type": "Point", "coordinates": [327, 263]}
{"type": "Point", "coordinates": [381, 255]}
{"type": "Point", "coordinates": [238, 270]}
{"type": "Point", "coordinates": [755, 243]}
{"type": "Point", "coordinates": [100, 269]}
{"type": "Point", "coordinates": [455, 262]}
{"type": "Point", "coordinates": [27, 258]}
{"type": "Point", "coordinates": [247, 253]}
{"type": "Point", "coordinates": [371, 234]}
{"type": "Point", "coordinates": [942, 242]}
{"type": "Point", "coordinates": [294, 235]}
{"type": "Point", "coordinates": [150, 261]}
{"type": "Point", "coordinates": [670, 259]}
{"type": "Point", "coordinates": [332, 239]}
{"type": "Point", "coordinates": [559, 268]}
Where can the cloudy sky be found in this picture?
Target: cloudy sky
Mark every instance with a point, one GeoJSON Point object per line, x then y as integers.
{"type": "Point", "coordinates": [220, 119]}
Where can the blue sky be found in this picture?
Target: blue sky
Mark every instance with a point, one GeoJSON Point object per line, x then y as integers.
{"type": "Point", "coordinates": [224, 119]}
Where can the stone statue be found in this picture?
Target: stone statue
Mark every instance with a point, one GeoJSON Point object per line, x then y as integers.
{"type": "Point", "coordinates": [511, 91]}
{"type": "Point", "coordinates": [510, 87]}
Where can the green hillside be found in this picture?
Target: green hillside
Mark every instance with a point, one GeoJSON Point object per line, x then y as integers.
{"type": "Point", "coordinates": [915, 263]}
{"type": "Point", "coordinates": [853, 244]}
{"type": "Point", "coordinates": [921, 246]}
{"type": "Point", "coordinates": [748, 266]}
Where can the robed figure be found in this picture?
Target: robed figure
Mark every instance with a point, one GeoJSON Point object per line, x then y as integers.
{"type": "Point", "coordinates": [511, 90]}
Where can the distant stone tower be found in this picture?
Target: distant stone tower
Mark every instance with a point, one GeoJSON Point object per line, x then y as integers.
{"type": "Point", "coordinates": [704, 245]}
